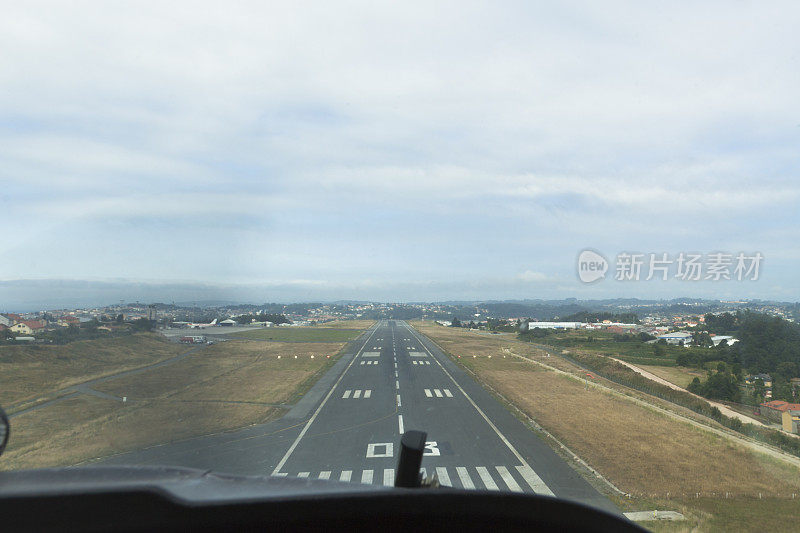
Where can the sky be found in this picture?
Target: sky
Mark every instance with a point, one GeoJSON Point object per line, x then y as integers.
{"type": "Point", "coordinates": [395, 151]}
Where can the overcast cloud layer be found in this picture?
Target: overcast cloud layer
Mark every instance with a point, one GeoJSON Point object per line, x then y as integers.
{"type": "Point", "coordinates": [397, 151]}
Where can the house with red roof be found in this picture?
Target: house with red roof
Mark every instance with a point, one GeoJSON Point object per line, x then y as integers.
{"type": "Point", "coordinates": [28, 327]}
{"type": "Point", "coordinates": [774, 409]}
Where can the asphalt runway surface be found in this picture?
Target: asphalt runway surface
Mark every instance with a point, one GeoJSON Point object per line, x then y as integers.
{"type": "Point", "coordinates": [348, 428]}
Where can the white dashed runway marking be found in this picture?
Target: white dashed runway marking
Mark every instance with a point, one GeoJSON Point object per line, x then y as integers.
{"type": "Point", "coordinates": [438, 393]}
{"type": "Point", "coordinates": [356, 394]}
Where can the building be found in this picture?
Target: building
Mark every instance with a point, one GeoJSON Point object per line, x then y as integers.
{"type": "Point", "coordinates": [790, 420]}
{"type": "Point", "coordinates": [766, 378]}
{"type": "Point", "coordinates": [229, 322]}
{"type": "Point", "coordinates": [27, 327]}
{"type": "Point", "coordinates": [774, 409]}
{"type": "Point", "coordinates": [554, 325]}
{"type": "Point", "coordinates": [69, 320]}
{"type": "Point", "coordinates": [678, 337]}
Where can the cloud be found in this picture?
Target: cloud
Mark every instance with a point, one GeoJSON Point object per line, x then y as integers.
{"type": "Point", "coordinates": [401, 143]}
{"type": "Point", "coordinates": [530, 275]}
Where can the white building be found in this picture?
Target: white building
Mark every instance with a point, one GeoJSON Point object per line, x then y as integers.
{"type": "Point", "coordinates": [554, 325]}
{"type": "Point", "coordinates": [677, 337]}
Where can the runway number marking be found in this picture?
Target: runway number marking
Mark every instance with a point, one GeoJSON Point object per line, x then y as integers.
{"type": "Point", "coordinates": [431, 449]}
{"type": "Point", "coordinates": [380, 449]}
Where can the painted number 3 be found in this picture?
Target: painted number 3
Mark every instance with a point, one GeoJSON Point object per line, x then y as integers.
{"type": "Point", "coordinates": [431, 448]}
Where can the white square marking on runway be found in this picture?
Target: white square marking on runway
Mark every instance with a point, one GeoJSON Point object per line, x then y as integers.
{"type": "Point", "coordinates": [357, 393]}
{"type": "Point", "coordinates": [367, 393]}
{"type": "Point", "coordinates": [345, 475]}
{"type": "Point", "coordinates": [325, 474]}
{"type": "Point", "coordinates": [437, 392]}
{"type": "Point", "coordinates": [427, 393]}
{"type": "Point", "coordinates": [366, 477]}
{"type": "Point", "coordinates": [448, 393]}
{"type": "Point", "coordinates": [346, 393]}
{"type": "Point", "coordinates": [417, 354]}
{"type": "Point", "coordinates": [371, 354]}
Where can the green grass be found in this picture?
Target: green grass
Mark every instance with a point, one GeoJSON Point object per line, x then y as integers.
{"type": "Point", "coordinates": [602, 343]}
{"type": "Point", "coordinates": [290, 334]}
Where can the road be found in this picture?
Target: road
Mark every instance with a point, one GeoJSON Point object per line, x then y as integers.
{"type": "Point", "coordinates": [724, 409]}
{"type": "Point", "coordinates": [348, 428]}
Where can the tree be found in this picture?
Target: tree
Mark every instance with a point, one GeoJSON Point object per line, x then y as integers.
{"type": "Point", "coordinates": [456, 323]}
{"type": "Point", "coordinates": [787, 369]}
{"type": "Point", "coordinates": [660, 351]}
{"type": "Point", "coordinates": [759, 390]}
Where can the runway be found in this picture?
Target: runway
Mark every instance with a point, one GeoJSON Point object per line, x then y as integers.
{"type": "Point", "coordinates": [348, 428]}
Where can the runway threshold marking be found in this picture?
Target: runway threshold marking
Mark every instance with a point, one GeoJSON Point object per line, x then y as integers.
{"type": "Point", "coordinates": [463, 475]}
{"type": "Point", "coordinates": [508, 478]}
{"type": "Point", "coordinates": [541, 486]}
{"type": "Point", "coordinates": [483, 472]}
{"type": "Point", "coordinates": [444, 477]}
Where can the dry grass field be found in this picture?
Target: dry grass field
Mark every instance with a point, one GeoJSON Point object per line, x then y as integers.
{"type": "Point", "coordinates": [348, 324]}
{"type": "Point", "coordinates": [27, 372]}
{"type": "Point", "coordinates": [223, 386]}
{"type": "Point", "coordinates": [675, 374]}
{"type": "Point", "coordinates": [660, 461]}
